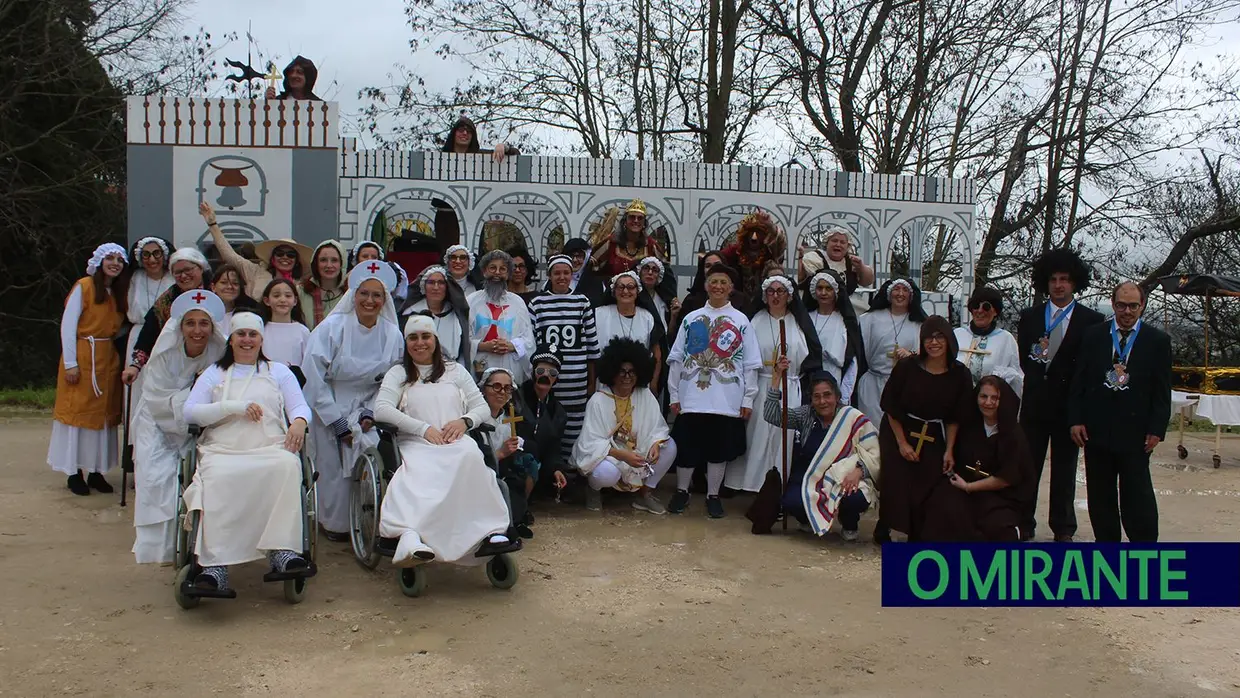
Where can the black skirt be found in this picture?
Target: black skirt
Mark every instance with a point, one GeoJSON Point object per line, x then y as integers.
{"type": "Point", "coordinates": [708, 438]}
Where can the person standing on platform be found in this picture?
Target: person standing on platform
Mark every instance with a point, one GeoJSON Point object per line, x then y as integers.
{"type": "Point", "coordinates": [564, 323]}
{"type": "Point", "coordinates": [1048, 337]}
{"type": "Point", "coordinates": [1119, 408]}
{"type": "Point", "coordinates": [712, 382]}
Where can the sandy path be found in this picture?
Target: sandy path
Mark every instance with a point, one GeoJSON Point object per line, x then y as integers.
{"type": "Point", "coordinates": [619, 604]}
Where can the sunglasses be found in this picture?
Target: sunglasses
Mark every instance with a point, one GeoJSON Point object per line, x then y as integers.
{"type": "Point", "coordinates": [499, 387]}
{"type": "Point", "coordinates": [984, 306]}
{"type": "Point", "coordinates": [285, 252]}
{"type": "Point", "coordinates": [549, 372]}
{"type": "Point", "coordinates": [156, 254]}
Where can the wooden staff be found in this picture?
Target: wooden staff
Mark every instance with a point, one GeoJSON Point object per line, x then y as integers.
{"type": "Point", "coordinates": [783, 419]}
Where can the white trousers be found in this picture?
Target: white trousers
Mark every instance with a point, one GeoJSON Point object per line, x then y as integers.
{"type": "Point", "coordinates": [606, 474]}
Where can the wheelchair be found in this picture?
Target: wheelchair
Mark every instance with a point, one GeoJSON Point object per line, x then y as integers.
{"type": "Point", "coordinates": [372, 471]}
{"type": "Point", "coordinates": [186, 561]}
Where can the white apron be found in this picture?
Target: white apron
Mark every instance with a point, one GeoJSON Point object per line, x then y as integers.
{"type": "Point", "coordinates": [762, 442]}
{"type": "Point", "coordinates": [247, 486]}
{"type": "Point", "coordinates": [446, 494]}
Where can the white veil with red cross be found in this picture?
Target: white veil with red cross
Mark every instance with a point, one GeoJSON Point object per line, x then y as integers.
{"type": "Point", "coordinates": [374, 269]}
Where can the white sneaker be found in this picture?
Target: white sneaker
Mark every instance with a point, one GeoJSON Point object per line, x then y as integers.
{"type": "Point", "coordinates": [646, 501]}
{"type": "Point", "coordinates": [850, 536]}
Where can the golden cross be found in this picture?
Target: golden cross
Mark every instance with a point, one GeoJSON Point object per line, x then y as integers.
{"type": "Point", "coordinates": [274, 76]}
{"type": "Point", "coordinates": [977, 470]}
{"type": "Point", "coordinates": [922, 437]}
{"type": "Point", "coordinates": [774, 358]}
{"type": "Point", "coordinates": [512, 416]}
{"type": "Point", "coordinates": [974, 350]}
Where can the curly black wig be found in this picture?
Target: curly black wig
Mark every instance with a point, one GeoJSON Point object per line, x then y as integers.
{"type": "Point", "coordinates": [622, 350]}
{"type": "Point", "coordinates": [1060, 260]}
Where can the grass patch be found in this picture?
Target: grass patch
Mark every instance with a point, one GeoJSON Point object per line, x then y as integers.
{"type": "Point", "coordinates": [37, 398]}
{"type": "Point", "coordinates": [1195, 425]}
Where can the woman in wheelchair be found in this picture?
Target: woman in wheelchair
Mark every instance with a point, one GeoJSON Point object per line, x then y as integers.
{"type": "Point", "coordinates": [513, 444]}
{"type": "Point", "coordinates": [443, 503]}
{"type": "Point", "coordinates": [190, 341]}
{"type": "Point", "coordinates": [247, 488]}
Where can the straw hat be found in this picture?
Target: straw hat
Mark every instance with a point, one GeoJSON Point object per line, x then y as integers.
{"type": "Point", "coordinates": [264, 249]}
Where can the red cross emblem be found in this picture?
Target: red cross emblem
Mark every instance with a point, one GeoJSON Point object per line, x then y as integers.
{"type": "Point", "coordinates": [198, 298]}
{"type": "Point", "coordinates": [372, 267]}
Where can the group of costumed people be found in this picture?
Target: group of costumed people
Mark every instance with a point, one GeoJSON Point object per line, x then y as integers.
{"type": "Point", "coordinates": [944, 430]}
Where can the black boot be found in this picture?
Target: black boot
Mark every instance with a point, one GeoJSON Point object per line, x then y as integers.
{"type": "Point", "coordinates": [78, 486]}
{"type": "Point", "coordinates": [96, 481]}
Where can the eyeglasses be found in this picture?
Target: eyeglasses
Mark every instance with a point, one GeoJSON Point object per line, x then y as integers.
{"type": "Point", "coordinates": [549, 372]}
{"type": "Point", "coordinates": [185, 271]}
{"type": "Point", "coordinates": [1126, 306]}
{"type": "Point", "coordinates": [153, 254]}
{"type": "Point", "coordinates": [285, 253]}
{"type": "Point", "coordinates": [632, 288]}
{"type": "Point", "coordinates": [436, 282]}
{"type": "Point", "coordinates": [627, 372]}
{"type": "Point", "coordinates": [777, 291]}
{"type": "Point", "coordinates": [499, 387]}
{"type": "Point", "coordinates": [984, 306]}
{"type": "Point", "coordinates": [518, 267]}
{"type": "Point", "coordinates": [458, 258]}
{"type": "Point", "coordinates": [578, 255]}
{"type": "Point", "coordinates": [936, 338]}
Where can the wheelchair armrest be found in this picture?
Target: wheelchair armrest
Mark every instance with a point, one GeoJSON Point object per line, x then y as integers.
{"type": "Point", "coordinates": [387, 427]}
{"type": "Point", "coordinates": [484, 428]}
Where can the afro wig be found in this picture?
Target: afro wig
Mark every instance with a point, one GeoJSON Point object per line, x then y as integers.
{"type": "Point", "coordinates": [622, 350]}
{"type": "Point", "coordinates": [1056, 261]}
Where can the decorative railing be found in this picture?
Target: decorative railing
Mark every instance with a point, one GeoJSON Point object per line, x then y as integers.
{"type": "Point", "coordinates": [194, 121]}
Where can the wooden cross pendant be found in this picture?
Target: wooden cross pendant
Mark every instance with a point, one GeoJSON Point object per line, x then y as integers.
{"type": "Point", "coordinates": [512, 417]}
{"type": "Point", "coordinates": [922, 437]}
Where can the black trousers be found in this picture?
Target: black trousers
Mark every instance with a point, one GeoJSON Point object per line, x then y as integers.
{"type": "Point", "coordinates": [1064, 453]}
{"type": "Point", "coordinates": [1134, 504]}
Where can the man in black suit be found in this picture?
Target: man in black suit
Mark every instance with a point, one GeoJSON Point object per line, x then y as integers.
{"type": "Point", "coordinates": [1048, 337]}
{"type": "Point", "coordinates": [1119, 409]}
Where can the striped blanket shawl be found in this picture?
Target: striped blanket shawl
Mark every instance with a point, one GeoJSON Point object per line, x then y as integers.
{"type": "Point", "coordinates": [851, 440]}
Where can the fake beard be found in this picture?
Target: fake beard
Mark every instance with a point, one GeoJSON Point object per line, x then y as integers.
{"type": "Point", "coordinates": [543, 380]}
{"type": "Point", "coordinates": [496, 289]}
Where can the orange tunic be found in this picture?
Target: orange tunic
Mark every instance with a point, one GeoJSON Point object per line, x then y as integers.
{"type": "Point", "coordinates": [77, 405]}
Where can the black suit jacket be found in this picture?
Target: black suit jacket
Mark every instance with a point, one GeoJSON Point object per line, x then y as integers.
{"type": "Point", "coordinates": [1047, 385]}
{"type": "Point", "coordinates": [541, 432]}
{"type": "Point", "coordinates": [1120, 420]}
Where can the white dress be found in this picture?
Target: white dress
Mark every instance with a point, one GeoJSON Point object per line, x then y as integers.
{"type": "Point", "coordinates": [880, 333]}
{"type": "Point", "coordinates": [762, 450]}
{"type": "Point", "coordinates": [444, 493]}
{"type": "Point", "coordinates": [285, 342]}
{"type": "Point", "coordinates": [992, 354]}
{"type": "Point", "coordinates": [161, 439]}
{"type": "Point", "coordinates": [143, 291]}
{"type": "Point", "coordinates": [833, 336]}
{"type": "Point", "coordinates": [247, 487]}
{"type": "Point", "coordinates": [344, 364]}
{"type": "Point", "coordinates": [609, 324]}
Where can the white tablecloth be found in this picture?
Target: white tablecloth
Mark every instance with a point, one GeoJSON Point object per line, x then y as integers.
{"type": "Point", "coordinates": [1222, 410]}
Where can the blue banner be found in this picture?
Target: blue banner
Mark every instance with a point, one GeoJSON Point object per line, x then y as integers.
{"type": "Point", "coordinates": [1061, 574]}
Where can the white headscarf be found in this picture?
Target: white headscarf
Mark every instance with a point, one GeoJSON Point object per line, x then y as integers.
{"type": "Point", "coordinates": [419, 323]}
{"type": "Point", "coordinates": [426, 273]}
{"type": "Point", "coordinates": [631, 274]}
{"type": "Point", "coordinates": [379, 271]}
{"type": "Point", "coordinates": [189, 254]}
{"type": "Point", "coordinates": [102, 252]}
{"type": "Point", "coordinates": [246, 320]}
{"type": "Point", "coordinates": [655, 261]}
{"type": "Point", "coordinates": [490, 372]}
{"type": "Point", "coordinates": [458, 248]}
{"type": "Point", "coordinates": [824, 276]}
{"type": "Point", "coordinates": [169, 370]}
{"type": "Point", "coordinates": [777, 279]}
{"type": "Point", "coordinates": [137, 246]}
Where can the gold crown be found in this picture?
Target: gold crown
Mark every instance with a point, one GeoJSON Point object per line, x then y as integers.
{"type": "Point", "coordinates": [636, 206]}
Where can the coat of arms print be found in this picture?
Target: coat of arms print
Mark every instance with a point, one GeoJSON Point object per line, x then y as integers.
{"type": "Point", "coordinates": [714, 349]}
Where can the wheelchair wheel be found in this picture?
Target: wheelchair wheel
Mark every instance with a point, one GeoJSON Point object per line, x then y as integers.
{"type": "Point", "coordinates": [294, 590]}
{"type": "Point", "coordinates": [310, 506]}
{"type": "Point", "coordinates": [503, 572]}
{"type": "Point", "coordinates": [178, 587]}
{"type": "Point", "coordinates": [365, 497]}
{"type": "Point", "coordinates": [412, 580]}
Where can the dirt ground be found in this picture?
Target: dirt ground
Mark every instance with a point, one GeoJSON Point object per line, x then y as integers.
{"type": "Point", "coordinates": [617, 604]}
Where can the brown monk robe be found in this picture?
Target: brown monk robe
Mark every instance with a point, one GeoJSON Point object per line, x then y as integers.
{"type": "Point", "coordinates": [995, 472]}
{"type": "Point", "coordinates": [925, 400]}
